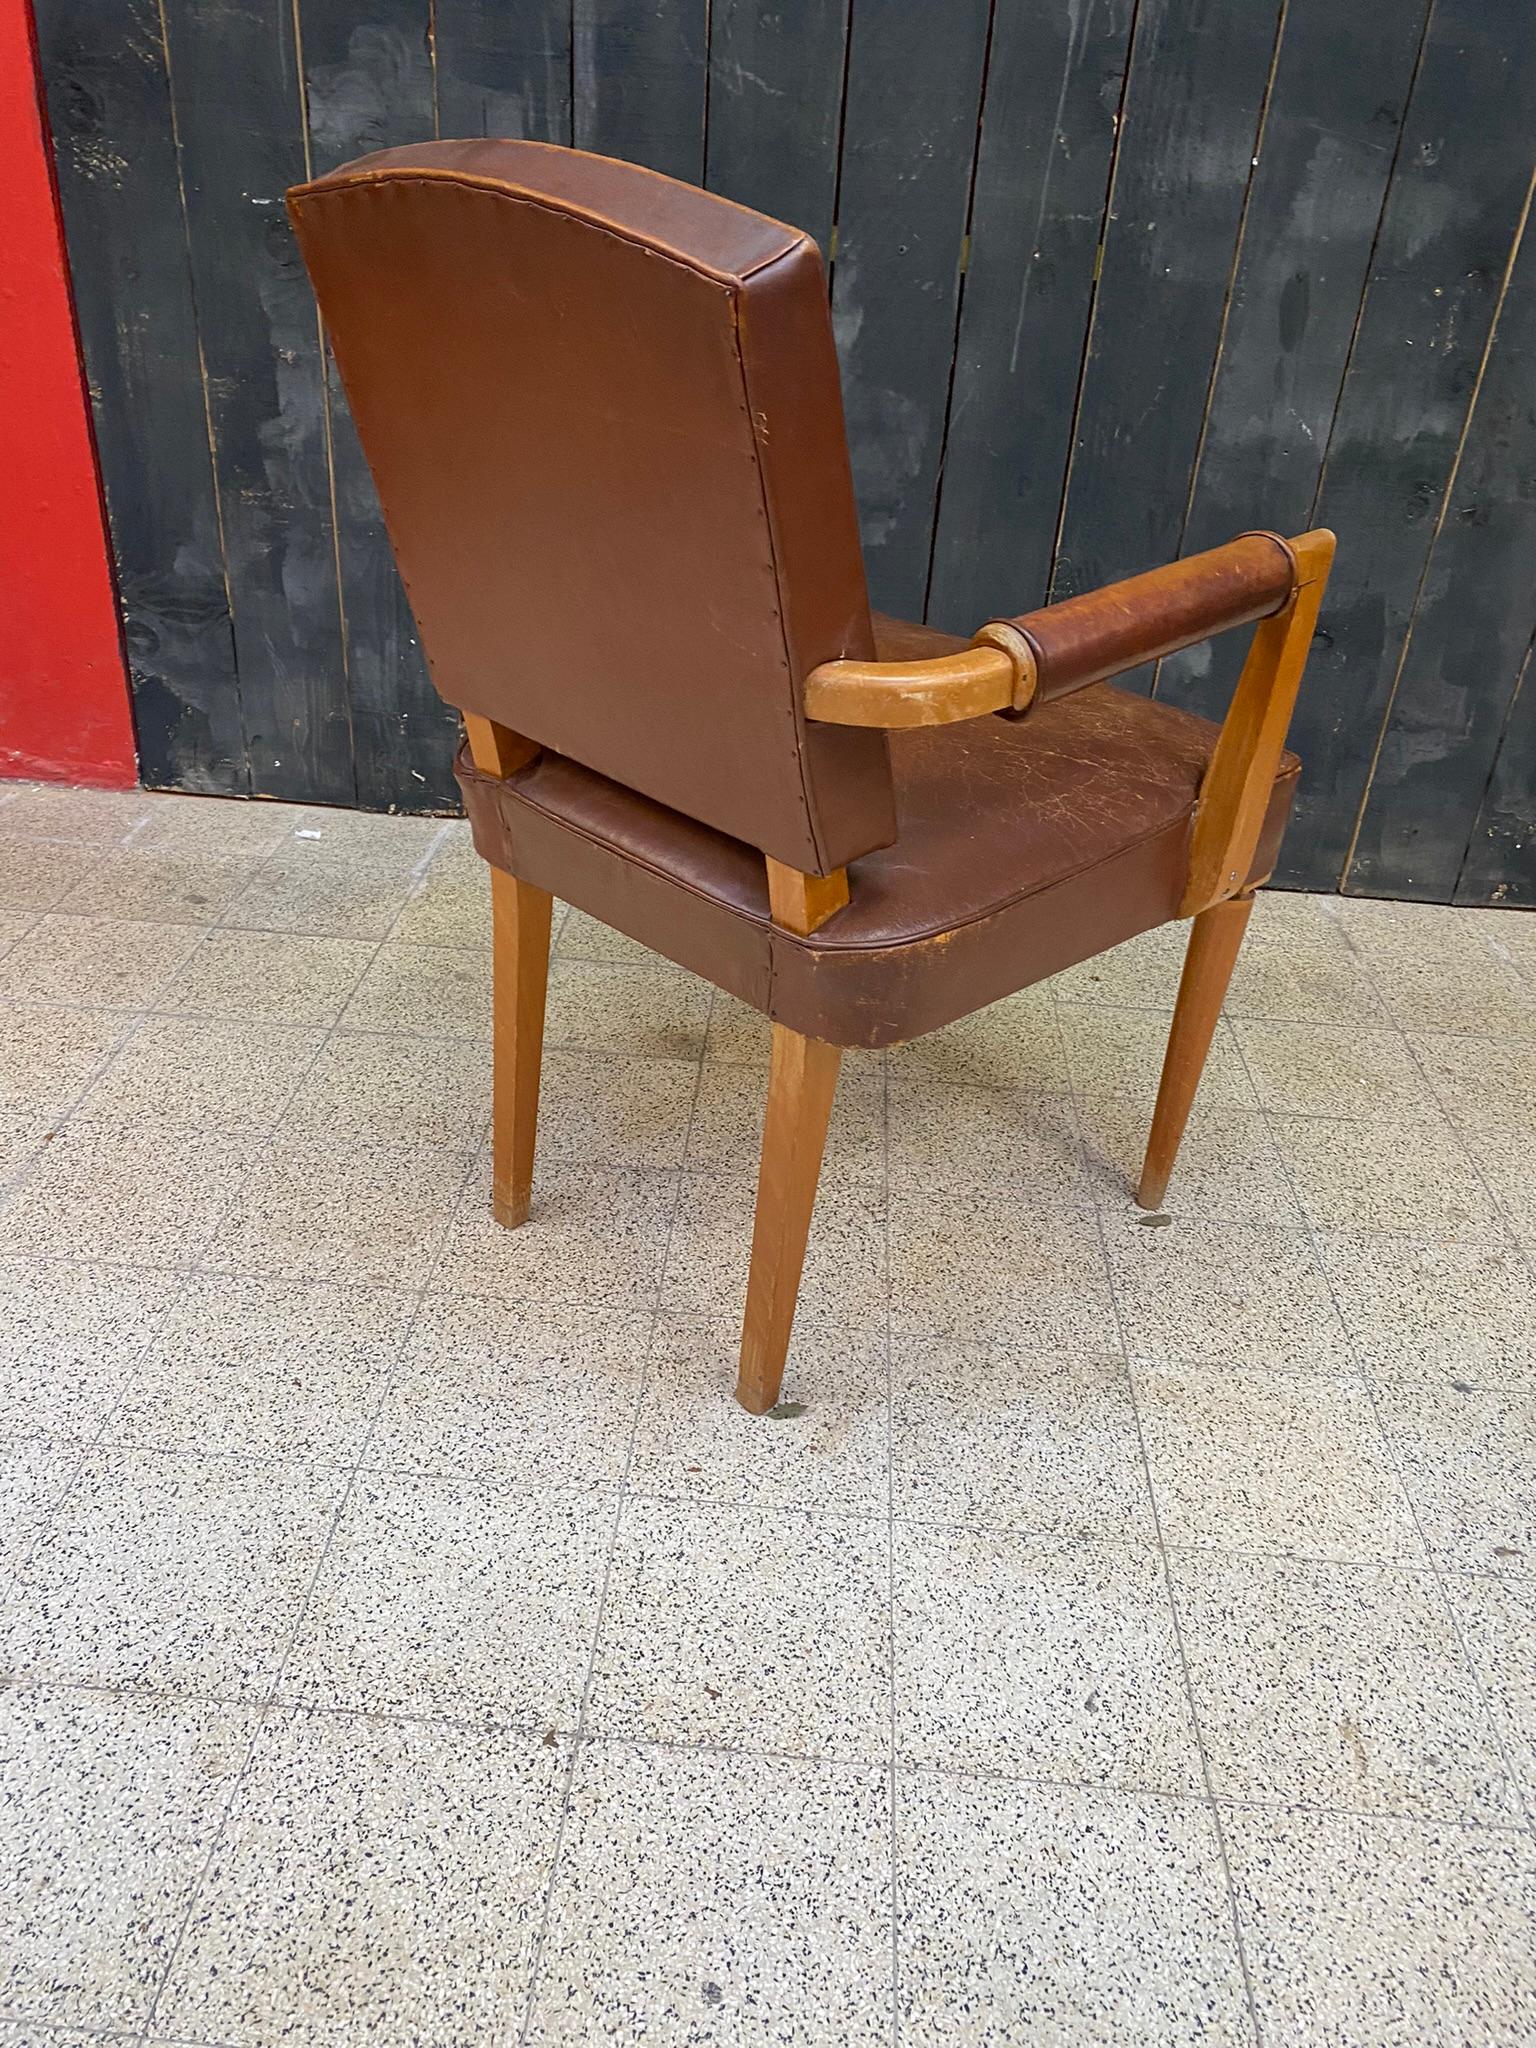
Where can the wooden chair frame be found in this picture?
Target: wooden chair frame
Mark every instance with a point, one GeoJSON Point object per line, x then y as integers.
{"type": "Point", "coordinates": [1001, 672]}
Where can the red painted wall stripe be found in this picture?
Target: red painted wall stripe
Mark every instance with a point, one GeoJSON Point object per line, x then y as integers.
{"type": "Point", "coordinates": [64, 713]}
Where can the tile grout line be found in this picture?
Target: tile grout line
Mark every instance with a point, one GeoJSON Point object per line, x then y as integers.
{"type": "Point", "coordinates": [530, 1730]}
{"type": "Point", "coordinates": [579, 1732]}
{"type": "Point", "coordinates": [1209, 1802]}
{"type": "Point", "coordinates": [1432, 1565]}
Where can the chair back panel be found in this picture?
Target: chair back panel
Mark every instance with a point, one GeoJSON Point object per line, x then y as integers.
{"type": "Point", "coordinates": [602, 412]}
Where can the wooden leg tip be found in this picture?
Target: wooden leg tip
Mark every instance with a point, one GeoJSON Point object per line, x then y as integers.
{"type": "Point", "coordinates": [511, 1211]}
{"type": "Point", "coordinates": [1150, 1194]}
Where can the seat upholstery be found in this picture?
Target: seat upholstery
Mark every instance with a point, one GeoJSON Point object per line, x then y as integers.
{"type": "Point", "coordinates": [1021, 849]}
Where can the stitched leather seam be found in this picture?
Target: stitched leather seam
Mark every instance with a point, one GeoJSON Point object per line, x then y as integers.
{"type": "Point", "coordinates": [304, 195]}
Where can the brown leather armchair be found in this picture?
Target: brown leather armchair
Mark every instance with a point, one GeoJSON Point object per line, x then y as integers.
{"type": "Point", "coordinates": [602, 411]}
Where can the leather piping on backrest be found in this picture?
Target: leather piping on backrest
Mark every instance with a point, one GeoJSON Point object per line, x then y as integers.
{"type": "Point", "coordinates": [844, 792]}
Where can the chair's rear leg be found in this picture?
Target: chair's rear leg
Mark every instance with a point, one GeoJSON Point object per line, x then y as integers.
{"type": "Point", "coordinates": [521, 915]}
{"type": "Point", "coordinates": [801, 1083]}
{"type": "Point", "coordinates": [1214, 940]}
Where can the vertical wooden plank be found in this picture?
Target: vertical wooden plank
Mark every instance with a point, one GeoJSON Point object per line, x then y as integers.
{"type": "Point", "coordinates": [639, 73]}
{"type": "Point", "coordinates": [775, 102]}
{"type": "Point", "coordinates": [1048, 128]}
{"type": "Point", "coordinates": [1461, 182]}
{"type": "Point", "coordinates": [1330, 140]}
{"type": "Point", "coordinates": [1193, 104]}
{"type": "Point", "coordinates": [109, 108]}
{"type": "Point", "coordinates": [909, 140]}
{"type": "Point", "coordinates": [370, 84]}
{"type": "Point", "coordinates": [1470, 630]}
{"type": "Point", "coordinates": [504, 70]}
{"type": "Point", "coordinates": [1500, 865]}
{"type": "Point", "coordinates": [235, 88]}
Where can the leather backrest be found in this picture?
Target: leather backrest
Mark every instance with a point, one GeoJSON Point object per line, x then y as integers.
{"type": "Point", "coordinates": [603, 415]}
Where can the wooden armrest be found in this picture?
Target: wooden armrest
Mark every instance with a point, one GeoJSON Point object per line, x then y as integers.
{"type": "Point", "coordinates": [1016, 663]}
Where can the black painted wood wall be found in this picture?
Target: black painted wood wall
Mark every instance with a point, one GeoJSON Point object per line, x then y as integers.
{"type": "Point", "coordinates": [1112, 280]}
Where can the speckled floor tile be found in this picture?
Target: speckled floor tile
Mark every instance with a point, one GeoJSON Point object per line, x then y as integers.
{"type": "Point", "coordinates": [1469, 1465]}
{"type": "Point", "coordinates": [748, 1629]}
{"type": "Point", "coordinates": [34, 1476]}
{"type": "Point", "coordinates": [1497, 1618]}
{"type": "Point", "coordinates": [1336, 1685]}
{"type": "Point", "coordinates": [450, 901]}
{"type": "Point", "coordinates": [599, 1109]}
{"type": "Point", "coordinates": [453, 1831]}
{"type": "Point", "coordinates": [597, 1236]}
{"type": "Point", "coordinates": [303, 888]}
{"type": "Point", "coordinates": [1333, 1070]}
{"type": "Point", "coordinates": [38, 876]}
{"type": "Point", "coordinates": [644, 1010]}
{"type": "Point", "coordinates": [1459, 987]}
{"type": "Point", "coordinates": [47, 1057]}
{"type": "Point", "coordinates": [102, 961]}
{"type": "Point", "coordinates": [196, 1073]}
{"type": "Point", "coordinates": [587, 938]}
{"type": "Point", "coordinates": [1053, 1914]}
{"type": "Point", "coordinates": [986, 1266]}
{"type": "Point", "coordinates": [827, 1445]}
{"type": "Point", "coordinates": [1376, 1933]}
{"type": "Point", "coordinates": [513, 1393]}
{"type": "Point", "coordinates": [1120, 1052]}
{"type": "Point", "coordinates": [1003, 1440]}
{"type": "Point", "coordinates": [1412, 1177]}
{"type": "Point", "coordinates": [1468, 1311]}
{"type": "Point", "coordinates": [454, 1600]}
{"type": "Point", "coordinates": [170, 1573]}
{"type": "Point", "coordinates": [1015, 1043]}
{"type": "Point", "coordinates": [138, 1197]}
{"type": "Point", "coordinates": [842, 1281]}
{"type": "Point", "coordinates": [1297, 965]}
{"type": "Point", "coordinates": [726, 1133]}
{"type": "Point", "coordinates": [94, 817]}
{"type": "Point", "coordinates": [1482, 1083]}
{"type": "Point", "coordinates": [1225, 1294]}
{"type": "Point", "coordinates": [159, 888]}
{"type": "Point", "coordinates": [1508, 934]}
{"type": "Point", "coordinates": [281, 976]}
{"type": "Point", "coordinates": [945, 1136]}
{"type": "Point", "coordinates": [1033, 1659]}
{"type": "Point", "coordinates": [310, 1212]}
{"type": "Point", "coordinates": [1229, 1167]}
{"type": "Point", "coordinates": [264, 1368]}
{"type": "Point", "coordinates": [199, 824]}
{"type": "Point", "coordinates": [432, 991]}
{"type": "Point", "coordinates": [69, 1339]}
{"type": "Point", "coordinates": [414, 1091]}
{"type": "Point", "coordinates": [110, 1806]}
{"type": "Point", "coordinates": [375, 835]}
{"type": "Point", "coordinates": [1284, 1465]}
{"type": "Point", "coordinates": [1141, 974]}
{"type": "Point", "coordinates": [1503, 1160]}
{"type": "Point", "coordinates": [719, 1900]}
{"type": "Point", "coordinates": [14, 924]}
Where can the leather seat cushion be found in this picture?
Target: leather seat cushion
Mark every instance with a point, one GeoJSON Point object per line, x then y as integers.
{"type": "Point", "coordinates": [1022, 848]}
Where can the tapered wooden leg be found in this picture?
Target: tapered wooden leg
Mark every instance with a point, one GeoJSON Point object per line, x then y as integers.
{"type": "Point", "coordinates": [1214, 940]}
{"type": "Point", "coordinates": [520, 929]}
{"type": "Point", "coordinates": [801, 1084]}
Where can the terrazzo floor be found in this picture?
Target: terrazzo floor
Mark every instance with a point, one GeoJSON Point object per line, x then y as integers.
{"type": "Point", "coordinates": [1125, 1633]}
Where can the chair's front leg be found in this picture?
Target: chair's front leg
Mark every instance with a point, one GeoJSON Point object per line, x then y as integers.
{"type": "Point", "coordinates": [520, 934]}
{"type": "Point", "coordinates": [1214, 939]}
{"type": "Point", "coordinates": [801, 1083]}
